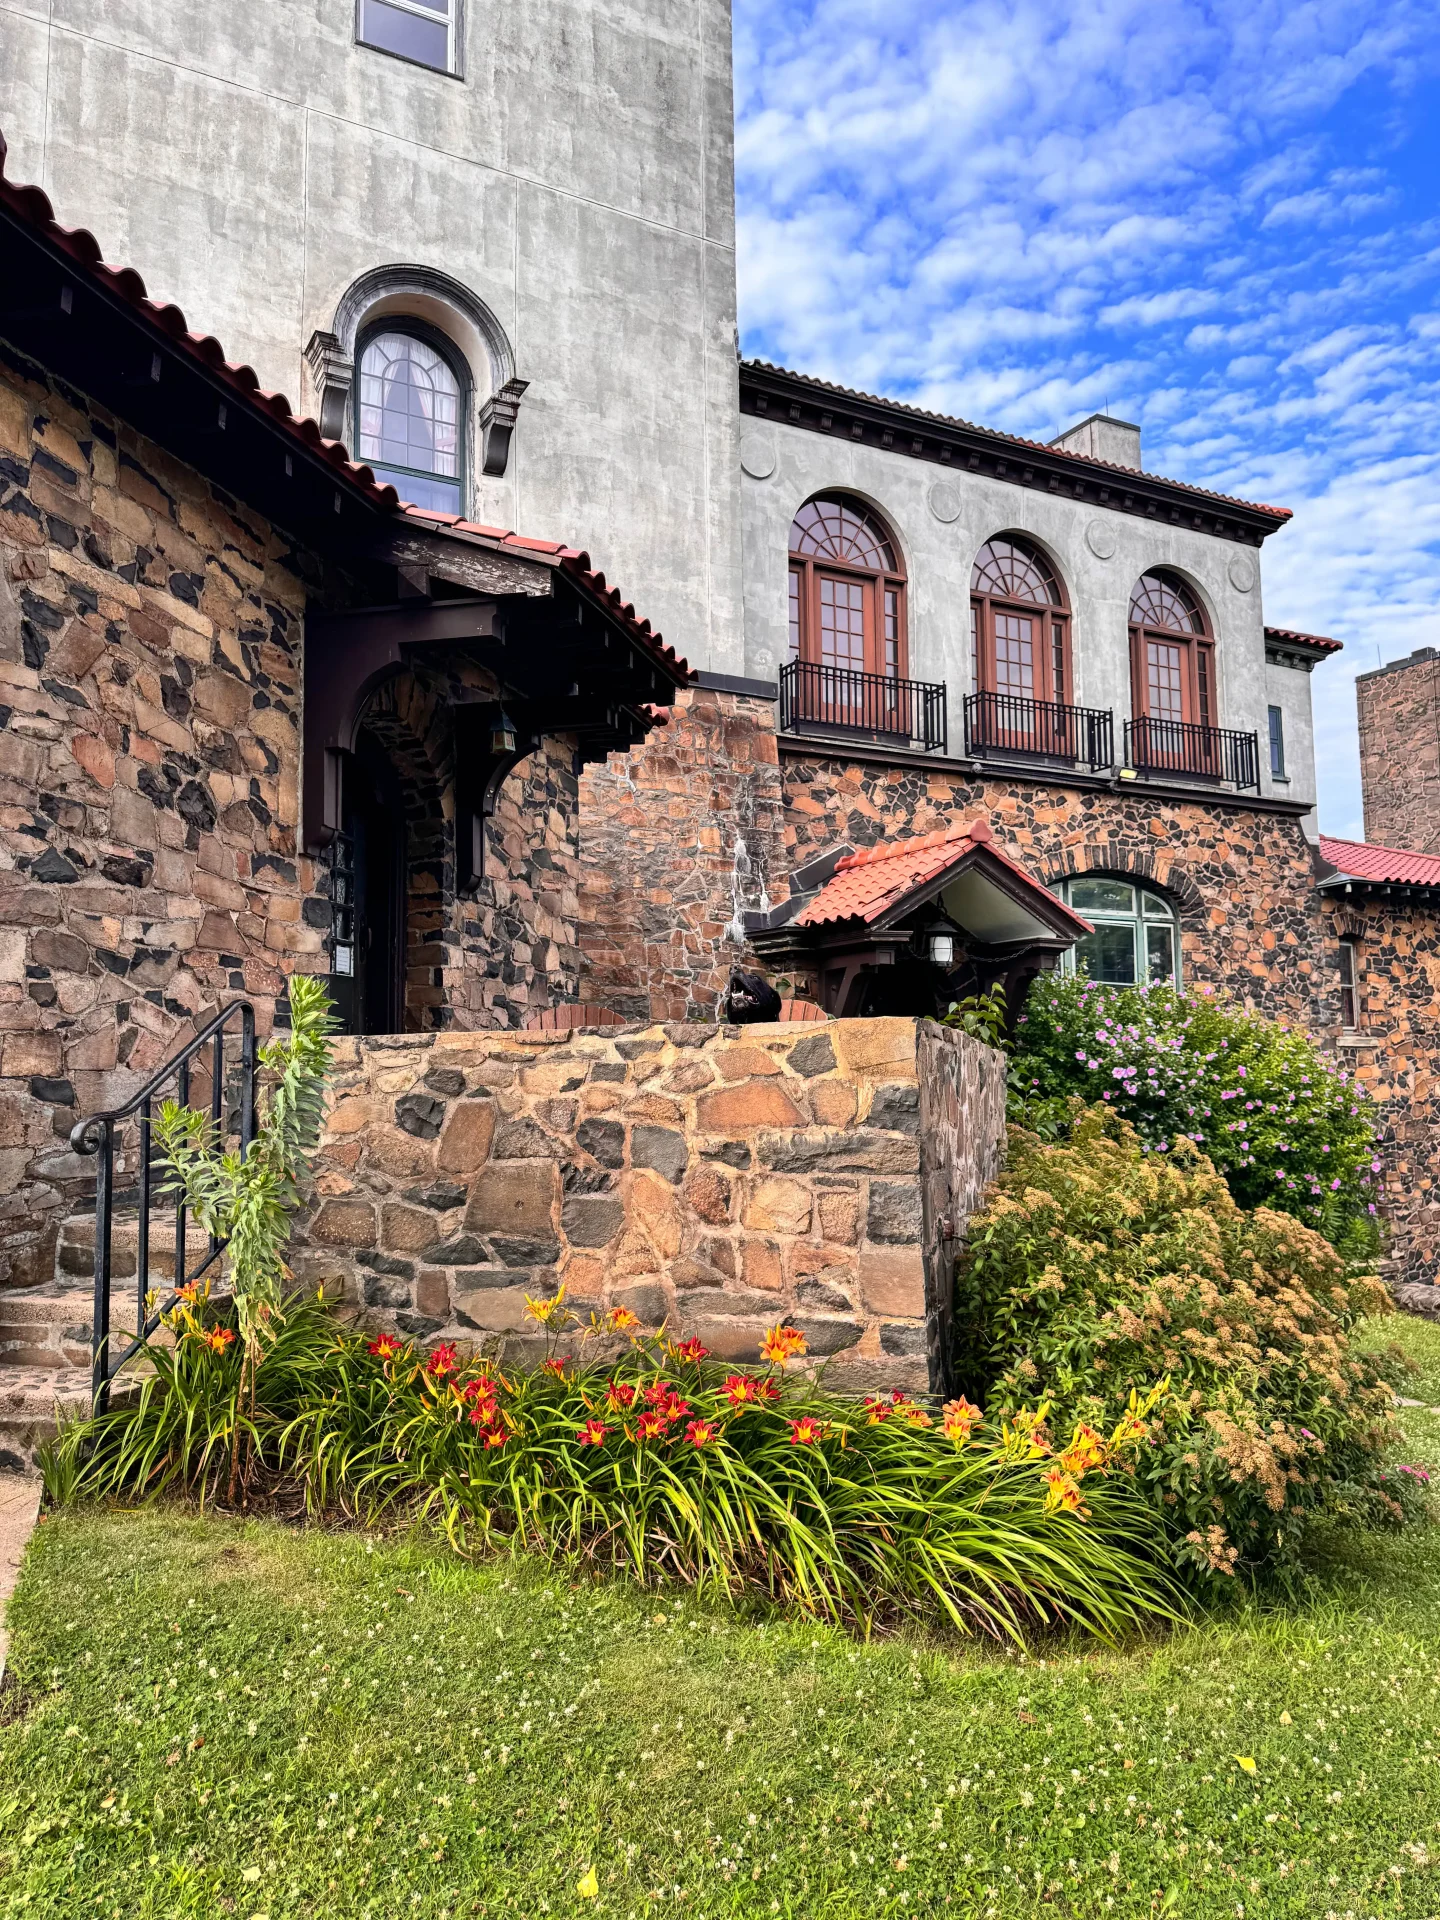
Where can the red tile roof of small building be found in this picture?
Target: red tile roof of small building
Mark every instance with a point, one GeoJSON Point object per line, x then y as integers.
{"type": "Point", "coordinates": [32, 205]}
{"type": "Point", "coordinates": [1278, 514]}
{"type": "Point", "coordinates": [1318, 640]}
{"type": "Point", "coordinates": [1360, 860]}
{"type": "Point", "coordinates": [867, 885]}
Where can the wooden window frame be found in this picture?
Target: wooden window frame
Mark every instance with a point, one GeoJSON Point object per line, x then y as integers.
{"type": "Point", "coordinates": [1199, 694]}
{"type": "Point", "coordinates": [1054, 642]}
{"type": "Point", "coordinates": [1352, 998]}
{"type": "Point", "coordinates": [808, 571]}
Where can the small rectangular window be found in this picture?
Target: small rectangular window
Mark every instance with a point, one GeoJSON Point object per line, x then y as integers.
{"type": "Point", "coordinates": [1352, 1009]}
{"type": "Point", "coordinates": [1277, 744]}
{"type": "Point", "coordinates": [425, 31]}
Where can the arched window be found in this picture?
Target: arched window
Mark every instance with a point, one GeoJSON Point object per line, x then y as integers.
{"type": "Point", "coordinates": [1136, 941]}
{"type": "Point", "coordinates": [847, 589]}
{"type": "Point", "coordinates": [410, 416]}
{"type": "Point", "coordinates": [1019, 623]}
{"type": "Point", "coordinates": [1172, 660]}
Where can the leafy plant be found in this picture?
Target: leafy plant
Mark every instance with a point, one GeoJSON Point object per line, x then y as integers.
{"type": "Point", "coordinates": [1099, 1265]}
{"type": "Point", "coordinates": [982, 1014]}
{"type": "Point", "coordinates": [655, 1462]}
{"type": "Point", "coordinates": [1286, 1126]}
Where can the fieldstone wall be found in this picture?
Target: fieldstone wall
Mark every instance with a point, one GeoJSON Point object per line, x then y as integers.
{"type": "Point", "coordinates": [1398, 709]}
{"type": "Point", "coordinates": [151, 635]}
{"type": "Point", "coordinates": [679, 837]}
{"type": "Point", "coordinates": [714, 1179]}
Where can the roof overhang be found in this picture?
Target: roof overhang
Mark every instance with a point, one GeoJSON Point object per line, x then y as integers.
{"type": "Point", "coordinates": [816, 406]}
{"type": "Point", "coordinates": [1286, 648]}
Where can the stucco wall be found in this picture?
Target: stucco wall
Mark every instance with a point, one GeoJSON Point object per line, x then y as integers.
{"type": "Point", "coordinates": [1099, 552]}
{"type": "Point", "coordinates": [715, 1179]}
{"type": "Point", "coordinates": [578, 180]}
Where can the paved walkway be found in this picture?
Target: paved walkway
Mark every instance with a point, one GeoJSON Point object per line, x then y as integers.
{"type": "Point", "coordinates": [19, 1508]}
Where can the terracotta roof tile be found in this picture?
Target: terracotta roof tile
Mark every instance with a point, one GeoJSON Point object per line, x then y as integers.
{"type": "Point", "coordinates": [1318, 640]}
{"type": "Point", "coordinates": [868, 884]}
{"type": "Point", "coordinates": [1360, 860]}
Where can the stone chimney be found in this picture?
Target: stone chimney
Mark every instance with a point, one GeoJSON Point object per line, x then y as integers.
{"type": "Point", "coordinates": [1398, 707]}
{"type": "Point", "coordinates": [1102, 438]}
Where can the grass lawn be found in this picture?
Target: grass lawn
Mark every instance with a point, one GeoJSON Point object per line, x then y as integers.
{"type": "Point", "coordinates": [205, 1716]}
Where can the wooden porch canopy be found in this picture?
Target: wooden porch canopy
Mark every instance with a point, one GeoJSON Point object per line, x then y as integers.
{"type": "Point", "coordinates": [861, 920]}
{"type": "Point", "coordinates": [569, 655]}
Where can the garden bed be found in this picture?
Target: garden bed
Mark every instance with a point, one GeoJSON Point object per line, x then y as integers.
{"type": "Point", "coordinates": [212, 1716]}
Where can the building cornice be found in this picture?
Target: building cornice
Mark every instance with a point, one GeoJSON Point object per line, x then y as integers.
{"type": "Point", "coordinates": [816, 406]}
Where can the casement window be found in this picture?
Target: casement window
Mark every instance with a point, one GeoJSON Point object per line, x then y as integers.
{"type": "Point", "coordinates": [424, 31]}
{"type": "Point", "coordinates": [1172, 656]}
{"type": "Point", "coordinates": [1136, 941]}
{"type": "Point", "coordinates": [411, 403]}
{"type": "Point", "coordinates": [1019, 623]}
{"type": "Point", "coordinates": [1277, 744]}
{"type": "Point", "coordinates": [1352, 1004]}
{"type": "Point", "coordinates": [847, 589]}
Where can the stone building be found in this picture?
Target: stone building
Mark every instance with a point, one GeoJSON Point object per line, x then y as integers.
{"type": "Point", "coordinates": [1398, 709]}
{"type": "Point", "coordinates": [259, 715]}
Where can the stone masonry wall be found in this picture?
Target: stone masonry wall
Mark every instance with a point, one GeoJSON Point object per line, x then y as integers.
{"type": "Point", "coordinates": [1397, 950]}
{"type": "Point", "coordinates": [678, 837]}
{"type": "Point", "coordinates": [718, 1179]}
{"type": "Point", "coordinates": [151, 634]}
{"type": "Point", "coordinates": [1398, 708]}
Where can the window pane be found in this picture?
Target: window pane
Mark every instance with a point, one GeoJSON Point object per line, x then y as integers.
{"type": "Point", "coordinates": [1106, 896]}
{"type": "Point", "coordinates": [1153, 905]}
{"type": "Point", "coordinates": [843, 610]}
{"type": "Point", "coordinates": [1108, 954]}
{"type": "Point", "coordinates": [427, 41]}
{"type": "Point", "coordinates": [1277, 743]}
{"type": "Point", "coordinates": [409, 407]}
{"type": "Point", "coordinates": [421, 490]}
{"type": "Point", "coordinates": [794, 614]}
{"type": "Point", "coordinates": [1015, 655]}
{"type": "Point", "coordinates": [1160, 948]}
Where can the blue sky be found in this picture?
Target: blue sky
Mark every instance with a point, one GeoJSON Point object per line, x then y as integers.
{"type": "Point", "coordinates": [1220, 220]}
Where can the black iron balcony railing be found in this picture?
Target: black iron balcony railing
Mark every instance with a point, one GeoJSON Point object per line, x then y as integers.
{"type": "Point", "coordinates": [1199, 753]}
{"type": "Point", "coordinates": [1004, 723]}
{"type": "Point", "coordinates": [901, 712]}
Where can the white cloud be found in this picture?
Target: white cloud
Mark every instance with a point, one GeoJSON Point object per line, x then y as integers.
{"type": "Point", "coordinates": [1021, 210]}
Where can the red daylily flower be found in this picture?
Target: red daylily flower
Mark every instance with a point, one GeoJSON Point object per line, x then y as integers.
{"type": "Point", "coordinates": [618, 1396]}
{"type": "Point", "coordinates": [556, 1366]}
{"type": "Point", "coordinates": [690, 1349]}
{"type": "Point", "coordinates": [702, 1433]}
{"type": "Point", "coordinates": [592, 1434]}
{"type": "Point", "coordinates": [442, 1359]}
{"type": "Point", "coordinates": [805, 1431]}
{"type": "Point", "coordinates": [385, 1346]}
{"type": "Point", "coordinates": [651, 1426]}
{"type": "Point", "coordinates": [217, 1339]}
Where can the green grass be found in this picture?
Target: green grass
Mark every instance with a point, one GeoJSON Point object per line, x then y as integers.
{"type": "Point", "coordinates": [207, 1716]}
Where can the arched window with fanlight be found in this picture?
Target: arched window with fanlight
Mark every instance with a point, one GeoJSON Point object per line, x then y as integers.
{"type": "Point", "coordinates": [413, 393]}
{"type": "Point", "coordinates": [1136, 941]}
{"type": "Point", "coordinates": [1172, 676]}
{"type": "Point", "coordinates": [847, 589]}
{"type": "Point", "coordinates": [1020, 651]}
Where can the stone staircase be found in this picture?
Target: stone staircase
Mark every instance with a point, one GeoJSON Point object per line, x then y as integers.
{"type": "Point", "coordinates": [45, 1331]}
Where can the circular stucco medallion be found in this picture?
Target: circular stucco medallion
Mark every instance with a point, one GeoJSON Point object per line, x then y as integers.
{"type": "Point", "coordinates": [945, 501]}
{"type": "Point", "coordinates": [1100, 538]}
{"type": "Point", "coordinates": [757, 456]}
{"type": "Point", "coordinates": [1242, 573]}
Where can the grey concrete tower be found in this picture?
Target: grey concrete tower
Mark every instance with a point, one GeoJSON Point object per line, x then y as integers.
{"type": "Point", "coordinates": [555, 193]}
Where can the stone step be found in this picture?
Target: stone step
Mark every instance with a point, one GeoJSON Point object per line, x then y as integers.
{"type": "Point", "coordinates": [50, 1326]}
{"type": "Point", "coordinates": [33, 1400]}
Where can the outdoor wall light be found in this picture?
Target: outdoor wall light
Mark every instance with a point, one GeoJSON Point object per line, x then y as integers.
{"type": "Point", "coordinates": [502, 734]}
{"type": "Point", "coordinates": [938, 943]}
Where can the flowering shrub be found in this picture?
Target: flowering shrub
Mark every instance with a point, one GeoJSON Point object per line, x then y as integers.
{"type": "Point", "coordinates": [1287, 1127]}
{"type": "Point", "coordinates": [1099, 1265]}
{"type": "Point", "coordinates": [644, 1456]}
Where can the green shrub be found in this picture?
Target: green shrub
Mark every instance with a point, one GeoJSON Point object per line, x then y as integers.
{"type": "Point", "coordinates": [659, 1464]}
{"type": "Point", "coordinates": [1285, 1125]}
{"type": "Point", "coordinates": [1099, 1266]}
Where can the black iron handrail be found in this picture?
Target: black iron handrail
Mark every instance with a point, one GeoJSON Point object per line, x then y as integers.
{"type": "Point", "coordinates": [1039, 729]}
{"type": "Point", "coordinates": [96, 1135]}
{"type": "Point", "coordinates": [837, 699]}
{"type": "Point", "coordinates": [1200, 753]}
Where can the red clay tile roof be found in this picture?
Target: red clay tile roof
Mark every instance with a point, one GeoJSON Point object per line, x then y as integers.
{"type": "Point", "coordinates": [867, 885]}
{"type": "Point", "coordinates": [33, 206]}
{"type": "Point", "coordinates": [1278, 514]}
{"type": "Point", "coordinates": [1316, 640]}
{"type": "Point", "coordinates": [571, 560]}
{"type": "Point", "coordinates": [1359, 860]}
